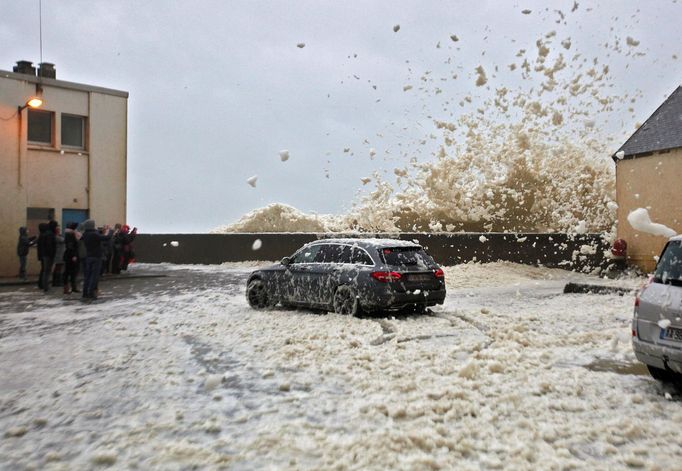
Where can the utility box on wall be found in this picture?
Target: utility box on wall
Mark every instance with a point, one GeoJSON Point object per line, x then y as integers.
{"type": "Point", "coordinates": [67, 156]}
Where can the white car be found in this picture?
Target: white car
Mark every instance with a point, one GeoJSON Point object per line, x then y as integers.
{"type": "Point", "coordinates": [657, 321]}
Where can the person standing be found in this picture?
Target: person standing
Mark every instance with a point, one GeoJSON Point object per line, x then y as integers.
{"type": "Point", "coordinates": [128, 253]}
{"type": "Point", "coordinates": [58, 259]}
{"type": "Point", "coordinates": [47, 249]}
{"type": "Point", "coordinates": [92, 240]}
{"type": "Point", "coordinates": [107, 251]}
{"type": "Point", "coordinates": [117, 250]}
{"type": "Point", "coordinates": [23, 244]}
{"type": "Point", "coordinates": [71, 258]}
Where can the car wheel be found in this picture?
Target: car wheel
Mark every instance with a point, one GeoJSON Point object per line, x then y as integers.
{"type": "Point", "coordinates": [662, 375]}
{"type": "Point", "coordinates": [345, 301]}
{"type": "Point", "coordinates": [257, 296]}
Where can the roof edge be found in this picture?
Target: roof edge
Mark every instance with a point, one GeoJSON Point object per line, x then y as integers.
{"type": "Point", "coordinates": [640, 155]}
{"type": "Point", "coordinates": [63, 84]}
{"type": "Point", "coordinates": [613, 156]}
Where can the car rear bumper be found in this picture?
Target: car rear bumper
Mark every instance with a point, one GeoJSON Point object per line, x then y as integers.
{"type": "Point", "coordinates": [657, 355]}
{"type": "Point", "coordinates": [395, 300]}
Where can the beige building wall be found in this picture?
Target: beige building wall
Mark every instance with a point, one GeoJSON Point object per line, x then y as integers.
{"type": "Point", "coordinates": [653, 182]}
{"type": "Point", "coordinates": [53, 176]}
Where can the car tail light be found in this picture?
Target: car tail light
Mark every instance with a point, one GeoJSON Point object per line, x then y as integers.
{"type": "Point", "coordinates": [386, 276]}
{"type": "Point", "coordinates": [634, 333]}
{"type": "Point", "coordinates": [440, 274]}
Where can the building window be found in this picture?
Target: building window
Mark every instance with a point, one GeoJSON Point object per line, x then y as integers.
{"type": "Point", "coordinates": [73, 131]}
{"type": "Point", "coordinates": [40, 127]}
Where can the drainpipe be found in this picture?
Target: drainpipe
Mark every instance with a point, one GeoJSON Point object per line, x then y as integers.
{"type": "Point", "coordinates": [20, 148]}
{"type": "Point", "coordinates": [89, 154]}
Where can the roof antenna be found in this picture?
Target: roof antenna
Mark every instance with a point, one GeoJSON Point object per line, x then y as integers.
{"type": "Point", "coordinates": [40, 19]}
{"type": "Point", "coordinates": [39, 85]}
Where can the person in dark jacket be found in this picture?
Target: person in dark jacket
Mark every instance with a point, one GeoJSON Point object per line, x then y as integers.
{"type": "Point", "coordinates": [92, 240]}
{"type": "Point", "coordinates": [24, 243]}
{"type": "Point", "coordinates": [71, 258]}
{"type": "Point", "coordinates": [47, 249]}
{"type": "Point", "coordinates": [58, 258]}
{"type": "Point", "coordinates": [116, 250]}
{"type": "Point", "coordinates": [107, 251]}
{"type": "Point", "coordinates": [127, 238]}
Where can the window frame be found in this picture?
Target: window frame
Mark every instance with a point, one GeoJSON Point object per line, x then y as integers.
{"type": "Point", "coordinates": [52, 127]}
{"type": "Point", "coordinates": [83, 120]}
{"type": "Point", "coordinates": [662, 276]}
{"type": "Point", "coordinates": [302, 250]}
{"type": "Point", "coordinates": [324, 246]}
{"type": "Point", "coordinates": [417, 249]}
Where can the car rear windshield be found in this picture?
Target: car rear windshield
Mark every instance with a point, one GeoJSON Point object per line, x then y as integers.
{"type": "Point", "coordinates": [669, 267]}
{"type": "Point", "coordinates": [406, 256]}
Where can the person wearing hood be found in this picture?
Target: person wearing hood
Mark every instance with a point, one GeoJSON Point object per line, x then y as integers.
{"type": "Point", "coordinates": [92, 241]}
{"type": "Point", "coordinates": [23, 244]}
{"type": "Point", "coordinates": [47, 249]}
{"type": "Point", "coordinates": [71, 258]}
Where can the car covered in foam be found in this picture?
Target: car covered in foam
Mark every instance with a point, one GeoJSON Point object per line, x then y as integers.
{"type": "Point", "coordinates": [657, 320]}
{"type": "Point", "coordinates": [350, 276]}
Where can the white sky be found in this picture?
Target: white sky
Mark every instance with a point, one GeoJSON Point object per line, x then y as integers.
{"type": "Point", "coordinates": [218, 88]}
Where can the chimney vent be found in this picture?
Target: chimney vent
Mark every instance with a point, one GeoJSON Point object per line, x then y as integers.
{"type": "Point", "coordinates": [47, 70]}
{"type": "Point", "coordinates": [25, 67]}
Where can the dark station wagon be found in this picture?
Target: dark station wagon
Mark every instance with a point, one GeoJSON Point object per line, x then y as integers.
{"type": "Point", "coordinates": [350, 276]}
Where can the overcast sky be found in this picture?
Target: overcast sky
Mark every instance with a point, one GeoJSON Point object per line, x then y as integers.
{"type": "Point", "coordinates": [218, 88]}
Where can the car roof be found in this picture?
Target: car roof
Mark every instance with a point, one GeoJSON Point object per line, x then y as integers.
{"type": "Point", "coordinates": [368, 243]}
{"type": "Point", "coordinates": [677, 237]}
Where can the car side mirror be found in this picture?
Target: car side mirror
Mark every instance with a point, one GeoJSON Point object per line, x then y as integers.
{"type": "Point", "coordinates": [286, 261]}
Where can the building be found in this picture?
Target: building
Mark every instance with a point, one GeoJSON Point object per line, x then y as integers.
{"type": "Point", "coordinates": [649, 175]}
{"type": "Point", "coordinates": [64, 160]}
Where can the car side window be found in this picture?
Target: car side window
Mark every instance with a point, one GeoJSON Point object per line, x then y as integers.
{"type": "Point", "coordinates": [334, 253]}
{"type": "Point", "coordinates": [323, 254]}
{"type": "Point", "coordinates": [343, 253]}
{"type": "Point", "coordinates": [360, 257]}
{"type": "Point", "coordinates": [306, 254]}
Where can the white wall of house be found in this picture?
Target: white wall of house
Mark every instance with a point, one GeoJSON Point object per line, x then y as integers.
{"type": "Point", "coordinates": [54, 175]}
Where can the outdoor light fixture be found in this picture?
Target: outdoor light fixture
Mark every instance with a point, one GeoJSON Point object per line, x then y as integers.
{"type": "Point", "coordinates": [33, 102]}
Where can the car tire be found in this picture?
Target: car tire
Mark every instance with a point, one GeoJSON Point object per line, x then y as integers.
{"type": "Point", "coordinates": [419, 309]}
{"type": "Point", "coordinates": [345, 301]}
{"type": "Point", "coordinates": [257, 296]}
{"type": "Point", "coordinates": [664, 375]}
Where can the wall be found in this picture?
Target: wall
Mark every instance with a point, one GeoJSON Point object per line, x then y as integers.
{"type": "Point", "coordinates": [554, 250]}
{"type": "Point", "coordinates": [108, 151]}
{"type": "Point", "coordinates": [655, 183]}
{"type": "Point", "coordinates": [49, 176]}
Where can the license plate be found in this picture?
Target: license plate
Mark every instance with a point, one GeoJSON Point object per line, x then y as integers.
{"type": "Point", "coordinates": [671, 333]}
{"type": "Point", "coordinates": [421, 277]}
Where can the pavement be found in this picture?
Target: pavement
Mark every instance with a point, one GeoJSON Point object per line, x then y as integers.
{"type": "Point", "coordinates": [22, 296]}
{"type": "Point", "coordinates": [33, 280]}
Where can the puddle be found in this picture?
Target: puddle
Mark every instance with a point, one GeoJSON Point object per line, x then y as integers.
{"type": "Point", "coordinates": [620, 367]}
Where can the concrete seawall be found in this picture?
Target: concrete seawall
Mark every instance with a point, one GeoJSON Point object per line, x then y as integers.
{"type": "Point", "coordinates": [568, 251]}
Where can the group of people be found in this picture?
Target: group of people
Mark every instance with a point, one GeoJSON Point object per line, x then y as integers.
{"type": "Point", "coordinates": [82, 247]}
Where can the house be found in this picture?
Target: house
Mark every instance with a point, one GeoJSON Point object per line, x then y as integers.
{"type": "Point", "coordinates": [649, 175]}
{"type": "Point", "coordinates": [62, 156]}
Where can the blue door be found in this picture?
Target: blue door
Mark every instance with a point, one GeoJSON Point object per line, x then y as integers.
{"type": "Point", "coordinates": [73, 215]}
